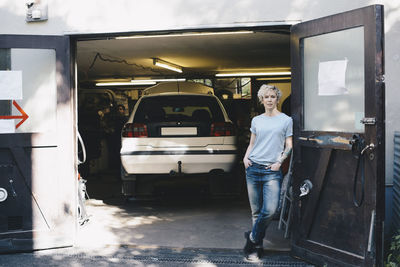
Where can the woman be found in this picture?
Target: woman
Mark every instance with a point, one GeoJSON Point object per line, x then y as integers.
{"type": "Point", "coordinates": [270, 144]}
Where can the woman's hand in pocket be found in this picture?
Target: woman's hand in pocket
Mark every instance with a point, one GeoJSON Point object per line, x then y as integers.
{"type": "Point", "coordinates": [246, 163]}
{"type": "Point", "coordinates": [275, 167]}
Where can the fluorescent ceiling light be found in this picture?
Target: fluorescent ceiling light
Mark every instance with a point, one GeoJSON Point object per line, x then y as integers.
{"type": "Point", "coordinates": [273, 78]}
{"type": "Point", "coordinates": [159, 80]}
{"type": "Point", "coordinates": [125, 83]}
{"type": "Point", "coordinates": [183, 34]}
{"type": "Point", "coordinates": [167, 65]}
{"type": "Point", "coordinates": [247, 74]}
{"type": "Point", "coordinates": [139, 82]}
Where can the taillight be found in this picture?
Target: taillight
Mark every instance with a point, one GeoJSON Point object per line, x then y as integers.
{"type": "Point", "coordinates": [222, 129]}
{"type": "Point", "coordinates": [134, 130]}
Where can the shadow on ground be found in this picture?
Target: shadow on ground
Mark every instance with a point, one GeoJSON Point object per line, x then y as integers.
{"type": "Point", "coordinates": [178, 227]}
{"type": "Point", "coordinates": [175, 228]}
{"type": "Point", "coordinates": [177, 217]}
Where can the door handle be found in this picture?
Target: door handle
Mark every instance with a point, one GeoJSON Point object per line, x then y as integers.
{"type": "Point", "coordinates": [305, 188]}
{"type": "Point", "coordinates": [368, 147]}
{"type": "Point", "coordinates": [358, 145]}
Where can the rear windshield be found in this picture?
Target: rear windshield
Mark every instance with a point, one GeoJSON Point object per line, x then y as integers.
{"type": "Point", "coordinates": [179, 108]}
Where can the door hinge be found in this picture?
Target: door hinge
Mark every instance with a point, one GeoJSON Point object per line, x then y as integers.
{"type": "Point", "coordinates": [368, 121]}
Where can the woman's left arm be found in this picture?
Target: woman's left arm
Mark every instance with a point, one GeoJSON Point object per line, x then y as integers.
{"type": "Point", "coordinates": [284, 155]}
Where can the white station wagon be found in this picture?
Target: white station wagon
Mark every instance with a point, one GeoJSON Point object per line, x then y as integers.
{"type": "Point", "coordinates": [176, 128]}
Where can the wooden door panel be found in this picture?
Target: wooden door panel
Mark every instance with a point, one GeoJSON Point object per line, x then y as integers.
{"type": "Point", "coordinates": [317, 179]}
{"type": "Point", "coordinates": [325, 212]}
{"type": "Point", "coordinates": [335, 214]}
{"type": "Point", "coordinates": [327, 215]}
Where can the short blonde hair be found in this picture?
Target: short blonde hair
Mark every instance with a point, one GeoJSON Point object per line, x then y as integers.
{"type": "Point", "coordinates": [264, 88]}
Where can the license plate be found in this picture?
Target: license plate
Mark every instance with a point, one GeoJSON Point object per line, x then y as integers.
{"type": "Point", "coordinates": [179, 131]}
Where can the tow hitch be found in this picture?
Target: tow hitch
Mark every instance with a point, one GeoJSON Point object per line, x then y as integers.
{"type": "Point", "coordinates": [173, 173]}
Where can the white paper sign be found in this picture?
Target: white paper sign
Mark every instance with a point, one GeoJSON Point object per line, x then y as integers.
{"type": "Point", "coordinates": [332, 78]}
{"type": "Point", "coordinates": [10, 85]}
{"type": "Point", "coordinates": [7, 126]}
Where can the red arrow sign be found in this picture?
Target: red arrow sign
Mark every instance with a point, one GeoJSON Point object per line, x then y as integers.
{"type": "Point", "coordinates": [23, 115]}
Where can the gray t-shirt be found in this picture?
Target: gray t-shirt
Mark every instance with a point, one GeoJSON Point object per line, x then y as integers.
{"type": "Point", "coordinates": [271, 133]}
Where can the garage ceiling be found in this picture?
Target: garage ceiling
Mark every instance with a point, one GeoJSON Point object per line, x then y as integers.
{"type": "Point", "coordinates": [200, 55]}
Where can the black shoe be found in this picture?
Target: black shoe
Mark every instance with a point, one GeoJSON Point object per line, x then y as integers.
{"type": "Point", "coordinates": [249, 247]}
{"type": "Point", "coordinates": [260, 252]}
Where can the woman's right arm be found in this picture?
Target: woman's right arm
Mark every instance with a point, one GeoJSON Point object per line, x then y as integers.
{"type": "Point", "coordinates": [246, 160]}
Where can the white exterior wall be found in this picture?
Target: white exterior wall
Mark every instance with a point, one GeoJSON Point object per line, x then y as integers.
{"type": "Point", "coordinates": [101, 16]}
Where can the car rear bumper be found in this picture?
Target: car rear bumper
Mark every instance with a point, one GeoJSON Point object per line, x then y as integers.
{"type": "Point", "coordinates": [184, 161]}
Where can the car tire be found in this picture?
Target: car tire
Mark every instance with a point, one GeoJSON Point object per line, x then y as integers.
{"type": "Point", "coordinates": [128, 188]}
{"type": "Point", "coordinates": [128, 183]}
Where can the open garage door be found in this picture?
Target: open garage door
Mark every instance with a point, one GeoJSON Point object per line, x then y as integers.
{"type": "Point", "coordinates": [37, 171]}
{"type": "Point", "coordinates": [339, 146]}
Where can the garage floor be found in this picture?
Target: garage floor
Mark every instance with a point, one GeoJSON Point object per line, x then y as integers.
{"type": "Point", "coordinates": [168, 231]}
{"type": "Point", "coordinates": [171, 220]}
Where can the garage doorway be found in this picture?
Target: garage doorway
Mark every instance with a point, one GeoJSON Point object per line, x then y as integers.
{"type": "Point", "coordinates": [315, 141]}
{"type": "Point", "coordinates": [235, 62]}
{"type": "Point", "coordinates": [310, 45]}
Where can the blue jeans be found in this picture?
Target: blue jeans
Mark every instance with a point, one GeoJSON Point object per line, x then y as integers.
{"type": "Point", "coordinates": [263, 187]}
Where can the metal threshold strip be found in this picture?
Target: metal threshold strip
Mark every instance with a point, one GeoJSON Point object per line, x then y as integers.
{"type": "Point", "coordinates": [188, 257]}
{"type": "Point", "coordinates": [189, 261]}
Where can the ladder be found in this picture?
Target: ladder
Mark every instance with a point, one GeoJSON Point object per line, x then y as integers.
{"type": "Point", "coordinates": [286, 210]}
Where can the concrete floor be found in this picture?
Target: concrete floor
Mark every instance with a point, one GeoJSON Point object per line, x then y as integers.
{"type": "Point", "coordinates": [173, 220]}
{"type": "Point", "coordinates": [172, 230]}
